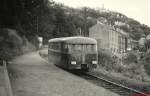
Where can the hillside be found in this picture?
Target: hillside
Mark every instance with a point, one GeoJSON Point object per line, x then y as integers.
{"type": "Point", "coordinates": [49, 19]}
{"type": "Point", "coordinates": [116, 19]}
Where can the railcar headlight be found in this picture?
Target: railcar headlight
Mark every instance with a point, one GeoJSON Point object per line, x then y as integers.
{"type": "Point", "coordinates": [94, 62]}
{"type": "Point", "coordinates": [73, 62]}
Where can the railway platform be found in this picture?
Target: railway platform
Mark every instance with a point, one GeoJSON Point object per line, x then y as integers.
{"type": "Point", "coordinates": [30, 75]}
{"type": "Point", "coordinates": [2, 82]}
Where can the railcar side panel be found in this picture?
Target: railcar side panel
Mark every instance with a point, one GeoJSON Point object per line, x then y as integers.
{"type": "Point", "coordinates": [54, 57]}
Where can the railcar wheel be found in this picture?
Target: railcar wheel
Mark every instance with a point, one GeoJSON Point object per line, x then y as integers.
{"type": "Point", "coordinates": [87, 70]}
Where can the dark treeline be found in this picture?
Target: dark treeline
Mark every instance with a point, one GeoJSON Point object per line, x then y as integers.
{"type": "Point", "coordinates": [27, 19]}
{"type": "Point", "coordinates": [36, 17]}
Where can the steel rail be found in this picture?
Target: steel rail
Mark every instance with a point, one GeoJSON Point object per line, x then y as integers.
{"type": "Point", "coordinates": [139, 93]}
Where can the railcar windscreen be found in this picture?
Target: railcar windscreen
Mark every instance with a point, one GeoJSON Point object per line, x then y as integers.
{"type": "Point", "coordinates": [81, 47]}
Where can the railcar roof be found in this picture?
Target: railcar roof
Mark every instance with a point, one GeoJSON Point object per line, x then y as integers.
{"type": "Point", "coordinates": [75, 40]}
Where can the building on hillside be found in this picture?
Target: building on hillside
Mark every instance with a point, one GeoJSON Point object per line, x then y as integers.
{"type": "Point", "coordinates": [132, 44]}
{"type": "Point", "coordinates": [109, 38]}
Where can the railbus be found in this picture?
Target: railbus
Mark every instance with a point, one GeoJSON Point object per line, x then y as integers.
{"type": "Point", "coordinates": [73, 53]}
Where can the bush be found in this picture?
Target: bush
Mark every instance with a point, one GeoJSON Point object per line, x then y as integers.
{"type": "Point", "coordinates": [130, 66]}
{"type": "Point", "coordinates": [10, 44]}
{"type": "Point", "coordinates": [106, 60]}
{"type": "Point", "coordinates": [103, 58]}
{"type": "Point", "coordinates": [131, 57]}
{"type": "Point", "coordinates": [146, 61]}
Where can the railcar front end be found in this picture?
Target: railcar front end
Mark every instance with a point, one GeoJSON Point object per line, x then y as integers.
{"type": "Point", "coordinates": [82, 56]}
{"type": "Point", "coordinates": [77, 62]}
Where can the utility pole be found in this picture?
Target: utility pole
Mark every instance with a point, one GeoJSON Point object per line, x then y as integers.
{"type": "Point", "coordinates": [80, 31]}
{"type": "Point", "coordinates": [37, 18]}
{"type": "Point", "coordinates": [37, 25]}
{"type": "Point", "coordinates": [85, 22]}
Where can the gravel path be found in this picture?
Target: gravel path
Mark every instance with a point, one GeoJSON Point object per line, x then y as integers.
{"type": "Point", "coordinates": [33, 76]}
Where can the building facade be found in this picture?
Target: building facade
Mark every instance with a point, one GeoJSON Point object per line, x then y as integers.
{"type": "Point", "coordinates": [109, 38]}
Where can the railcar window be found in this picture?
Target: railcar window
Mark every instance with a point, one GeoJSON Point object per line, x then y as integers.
{"type": "Point", "coordinates": [78, 47]}
{"type": "Point", "coordinates": [55, 46]}
{"type": "Point", "coordinates": [49, 46]}
{"type": "Point", "coordinates": [90, 47]}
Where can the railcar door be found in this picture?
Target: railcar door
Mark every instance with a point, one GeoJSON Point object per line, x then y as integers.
{"type": "Point", "coordinates": [64, 55]}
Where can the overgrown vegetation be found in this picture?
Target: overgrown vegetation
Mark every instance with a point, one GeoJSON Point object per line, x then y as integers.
{"type": "Point", "coordinates": [12, 44]}
{"type": "Point", "coordinates": [146, 62]}
{"type": "Point", "coordinates": [130, 66]}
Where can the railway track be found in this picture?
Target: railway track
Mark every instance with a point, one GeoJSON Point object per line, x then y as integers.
{"type": "Point", "coordinates": [112, 86]}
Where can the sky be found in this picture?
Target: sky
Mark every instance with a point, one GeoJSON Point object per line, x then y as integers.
{"type": "Point", "coordinates": [136, 9]}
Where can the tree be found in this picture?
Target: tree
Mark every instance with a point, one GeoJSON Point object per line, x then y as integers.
{"type": "Point", "coordinates": [10, 44]}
